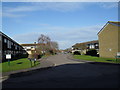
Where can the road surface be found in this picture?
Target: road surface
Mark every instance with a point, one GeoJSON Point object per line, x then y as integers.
{"type": "Point", "coordinates": [67, 73]}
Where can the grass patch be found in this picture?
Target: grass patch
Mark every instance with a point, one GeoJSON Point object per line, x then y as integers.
{"type": "Point", "coordinates": [16, 65]}
{"type": "Point", "coordinates": [96, 59]}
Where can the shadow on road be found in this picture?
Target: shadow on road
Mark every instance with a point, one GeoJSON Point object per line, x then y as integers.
{"type": "Point", "coordinates": [78, 75]}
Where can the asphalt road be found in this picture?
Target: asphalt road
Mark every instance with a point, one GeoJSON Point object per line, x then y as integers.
{"type": "Point", "coordinates": [67, 73]}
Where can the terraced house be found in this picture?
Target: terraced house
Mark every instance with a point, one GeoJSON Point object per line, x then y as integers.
{"type": "Point", "coordinates": [30, 48]}
{"type": "Point", "coordinates": [9, 46]}
{"type": "Point", "coordinates": [85, 46]}
{"type": "Point", "coordinates": [109, 40]}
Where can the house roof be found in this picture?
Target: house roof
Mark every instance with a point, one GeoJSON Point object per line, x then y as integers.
{"type": "Point", "coordinates": [94, 41]}
{"type": "Point", "coordinates": [84, 43]}
{"type": "Point", "coordinates": [31, 44]}
{"type": "Point", "coordinates": [6, 36]}
{"type": "Point", "coordinates": [112, 23]}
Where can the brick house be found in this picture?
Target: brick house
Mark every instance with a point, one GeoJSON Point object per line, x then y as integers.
{"type": "Point", "coordinates": [109, 40]}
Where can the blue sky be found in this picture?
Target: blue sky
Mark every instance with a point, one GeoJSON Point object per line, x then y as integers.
{"type": "Point", "coordinates": [65, 22]}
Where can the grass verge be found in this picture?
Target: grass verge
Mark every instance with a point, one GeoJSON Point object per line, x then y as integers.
{"type": "Point", "coordinates": [19, 64]}
{"type": "Point", "coordinates": [96, 59]}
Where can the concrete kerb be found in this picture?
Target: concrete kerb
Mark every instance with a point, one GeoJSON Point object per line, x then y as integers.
{"type": "Point", "coordinates": [44, 64]}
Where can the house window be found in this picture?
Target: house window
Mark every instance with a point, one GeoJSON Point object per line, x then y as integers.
{"type": "Point", "coordinates": [8, 44]}
{"type": "Point", "coordinates": [5, 52]}
{"type": "Point", "coordinates": [11, 43]}
{"type": "Point", "coordinates": [96, 44]}
{"type": "Point", "coordinates": [15, 46]}
{"type": "Point", "coordinates": [5, 40]}
{"type": "Point", "coordinates": [0, 37]}
{"type": "Point", "coordinates": [92, 46]}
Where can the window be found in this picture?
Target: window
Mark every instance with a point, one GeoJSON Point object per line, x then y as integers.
{"type": "Point", "coordinates": [96, 44]}
{"type": "Point", "coordinates": [8, 44]}
{"type": "Point", "coordinates": [5, 40]}
{"type": "Point", "coordinates": [5, 52]}
{"type": "Point", "coordinates": [92, 46]}
{"type": "Point", "coordinates": [11, 43]}
{"type": "Point", "coordinates": [15, 46]}
{"type": "Point", "coordinates": [0, 37]}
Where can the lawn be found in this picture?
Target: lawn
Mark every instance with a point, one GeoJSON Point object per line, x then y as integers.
{"type": "Point", "coordinates": [96, 59]}
{"type": "Point", "coordinates": [16, 65]}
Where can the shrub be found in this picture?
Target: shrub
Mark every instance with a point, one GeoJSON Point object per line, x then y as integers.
{"type": "Point", "coordinates": [51, 52]}
{"type": "Point", "coordinates": [77, 53]}
{"type": "Point", "coordinates": [92, 52]}
{"type": "Point", "coordinates": [40, 55]}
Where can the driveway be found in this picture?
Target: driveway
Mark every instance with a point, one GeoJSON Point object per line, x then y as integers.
{"type": "Point", "coordinates": [67, 73]}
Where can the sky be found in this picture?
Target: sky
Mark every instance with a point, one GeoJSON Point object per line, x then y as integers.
{"type": "Point", "coordinates": [67, 23]}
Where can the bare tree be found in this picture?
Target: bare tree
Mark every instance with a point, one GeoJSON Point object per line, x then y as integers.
{"type": "Point", "coordinates": [46, 45]}
{"type": "Point", "coordinates": [43, 39]}
{"type": "Point", "coordinates": [54, 45]}
{"type": "Point", "coordinates": [45, 42]}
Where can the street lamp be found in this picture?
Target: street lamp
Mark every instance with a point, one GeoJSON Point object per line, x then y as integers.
{"type": "Point", "coordinates": [35, 46]}
{"type": "Point", "coordinates": [35, 57]}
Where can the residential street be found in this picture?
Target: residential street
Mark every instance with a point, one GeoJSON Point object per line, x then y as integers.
{"type": "Point", "coordinates": [67, 73]}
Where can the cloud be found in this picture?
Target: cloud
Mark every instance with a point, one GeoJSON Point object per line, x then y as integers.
{"type": "Point", "coordinates": [11, 15]}
{"type": "Point", "coordinates": [60, 0]}
{"type": "Point", "coordinates": [60, 6]}
{"type": "Point", "coordinates": [57, 6]}
{"type": "Point", "coordinates": [108, 5]}
{"type": "Point", "coordinates": [26, 38]}
{"type": "Point", "coordinates": [65, 39]}
{"type": "Point", "coordinates": [17, 11]}
{"type": "Point", "coordinates": [21, 8]}
{"type": "Point", "coordinates": [65, 44]}
{"type": "Point", "coordinates": [44, 24]}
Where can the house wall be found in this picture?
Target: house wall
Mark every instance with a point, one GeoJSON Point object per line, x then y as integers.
{"type": "Point", "coordinates": [9, 46]}
{"type": "Point", "coordinates": [0, 47]}
{"type": "Point", "coordinates": [29, 49]}
{"type": "Point", "coordinates": [108, 41]}
{"type": "Point", "coordinates": [119, 39]}
{"type": "Point", "coordinates": [29, 52]}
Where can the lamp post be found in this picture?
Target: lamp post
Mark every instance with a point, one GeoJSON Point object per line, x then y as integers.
{"type": "Point", "coordinates": [35, 46]}
{"type": "Point", "coordinates": [35, 55]}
